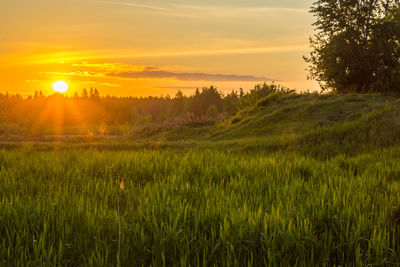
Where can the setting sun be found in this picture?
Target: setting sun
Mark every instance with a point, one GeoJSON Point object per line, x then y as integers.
{"type": "Point", "coordinates": [60, 86]}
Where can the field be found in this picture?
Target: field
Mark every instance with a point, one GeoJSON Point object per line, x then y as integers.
{"type": "Point", "coordinates": [321, 190]}
{"type": "Point", "coordinates": [198, 207]}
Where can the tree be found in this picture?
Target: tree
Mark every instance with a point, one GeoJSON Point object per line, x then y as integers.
{"type": "Point", "coordinates": [201, 101]}
{"type": "Point", "coordinates": [178, 104]}
{"type": "Point", "coordinates": [38, 94]}
{"type": "Point", "coordinates": [212, 111]}
{"type": "Point", "coordinates": [260, 91]}
{"type": "Point", "coordinates": [84, 93]}
{"type": "Point", "coordinates": [231, 103]}
{"type": "Point", "coordinates": [135, 116]}
{"type": "Point", "coordinates": [356, 45]}
{"type": "Point", "coordinates": [94, 93]}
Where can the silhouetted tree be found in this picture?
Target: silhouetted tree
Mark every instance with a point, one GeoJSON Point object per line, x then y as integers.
{"type": "Point", "coordinates": [178, 104]}
{"type": "Point", "coordinates": [200, 102]}
{"type": "Point", "coordinates": [38, 94]}
{"type": "Point", "coordinates": [357, 44]}
{"type": "Point", "coordinates": [84, 93]}
{"type": "Point", "coordinates": [94, 93]}
{"type": "Point", "coordinates": [231, 103]}
{"type": "Point", "coordinates": [212, 111]}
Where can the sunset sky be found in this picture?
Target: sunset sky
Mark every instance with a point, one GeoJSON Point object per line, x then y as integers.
{"type": "Point", "coordinates": [152, 47]}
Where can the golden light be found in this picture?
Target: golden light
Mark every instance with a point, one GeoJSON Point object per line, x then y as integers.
{"type": "Point", "coordinates": [60, 86]}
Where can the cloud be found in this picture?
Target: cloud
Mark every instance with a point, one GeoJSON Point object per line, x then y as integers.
{"type": "Point", "coordinates": [102, 83]}
{"type": "Point", "coordinates": [111, 67]}
{"type": "Point", "coordinates": [124, 54]}
{"type": "Point", "coordinates": [227, 51]}
{"type": "Point", "coordinates": [132, 4]}
{"type": "Point", "coordinates": [204, 11]}
{"type": "Point", "coordinates": [134, 72]}
{"type": "Point", "coordinates": [234, 11]}
{"type": "Point", "coordinates": [180, 87]}
{"type": "Point", "coordinates": [87, 74]}
{"type": "Point", "coordinates": [186, 76]}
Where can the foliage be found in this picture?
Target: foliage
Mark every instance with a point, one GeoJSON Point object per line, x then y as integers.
{"type": "Point", "coordinates": [212, 111]}
{"type": "Point", "coordinates": [200, 102]}
{"type": "Point", "coordinates": [40, 114]}
{"type": "Point", "coordinates": [261, 91]}
{"type": "Point", "coordinates": [357, 46]}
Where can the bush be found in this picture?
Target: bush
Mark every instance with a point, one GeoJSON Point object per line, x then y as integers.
{"type": "Point", "coordinates": [268, 99]}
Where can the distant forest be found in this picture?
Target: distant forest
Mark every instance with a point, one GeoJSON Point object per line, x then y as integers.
{"type": "Point", "coordinates": [90, 108]}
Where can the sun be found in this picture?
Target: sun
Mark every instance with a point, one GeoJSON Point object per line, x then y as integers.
{"type": "Point", "coordinates": [60, 86]}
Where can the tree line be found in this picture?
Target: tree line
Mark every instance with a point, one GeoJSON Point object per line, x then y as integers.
{"type": "Point", "coordinates": [89, 107]}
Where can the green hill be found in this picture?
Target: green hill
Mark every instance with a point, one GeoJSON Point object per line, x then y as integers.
{"type": "Point", "coordinates": [321, 126]}
{"type": "Point", "coordinates": [324, 125]}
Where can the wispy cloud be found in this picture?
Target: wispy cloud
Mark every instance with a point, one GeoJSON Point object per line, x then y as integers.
{"type": "Point", "coordinates": [102, 84]}
{"type": "Point", "coordinates": [87, 74]}
{"type": "Point", "coordinates": [133, 4]}
{"type": "Point", "coordinates": [112, 67]}
{"type": "Point", "coordinates": [229, 51]}
{"type": "Point", "coordinates": [179, 87]}
{"type": "Point", "coordinates": [160, 74]}
{"type": "Point", "coordinates": [207, 52]}
{"type": "Point", "coordinates": [122, 54]}
{"type": "Point", "coordinates": [204, 11]}
{"type": "Point", "coordinates": [223, 10]}
{"type": "Point", "coordinates": [122, 67]}
{"type": "Point", "coordinates": [133, 72]}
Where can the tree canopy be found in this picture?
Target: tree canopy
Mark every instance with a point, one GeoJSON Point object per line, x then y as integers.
{"type": "Point", "coordinates": [356, 47]}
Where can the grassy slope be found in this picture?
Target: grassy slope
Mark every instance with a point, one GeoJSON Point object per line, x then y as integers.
{"type": "Point", "coordinates": [297, 114]}
{"type": "Point", "coordinates": [319, 125]}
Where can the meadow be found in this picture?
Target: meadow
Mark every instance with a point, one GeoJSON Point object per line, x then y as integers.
{"type": "Point", "coordinates": [319, 185]}
{"type": "Point", "coordinates": [198, 207]}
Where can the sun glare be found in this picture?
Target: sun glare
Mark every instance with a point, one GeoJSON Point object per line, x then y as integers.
{"type": "Point", "coordinates": [60, 86]}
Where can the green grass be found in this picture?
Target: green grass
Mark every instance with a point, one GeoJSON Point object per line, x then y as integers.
{"type": "Point", "coordinates": [300, 180]}
{"type": "Point", "coordinates": [297, 114]}
{"type": "Point", "coordinates": [199, 207]}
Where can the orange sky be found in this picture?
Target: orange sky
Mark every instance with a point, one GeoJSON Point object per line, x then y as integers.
{"type": "Point", "coordinates": [152, 47]}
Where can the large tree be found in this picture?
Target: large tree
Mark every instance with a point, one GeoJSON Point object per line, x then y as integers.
{"type": "Point", "coordinates": [356, 47]}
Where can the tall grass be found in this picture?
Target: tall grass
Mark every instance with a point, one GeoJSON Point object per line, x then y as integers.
{"type": "Point", "coordinates": [199, 207]}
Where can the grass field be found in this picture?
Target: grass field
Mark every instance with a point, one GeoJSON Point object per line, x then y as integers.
{"type": "Point", "coordinates": [198, 207]}
{"type": "Point", "coordinates": [324, 191]}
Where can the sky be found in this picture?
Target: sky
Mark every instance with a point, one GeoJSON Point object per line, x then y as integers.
{"type": "Point", "coordinates": [153, 47]}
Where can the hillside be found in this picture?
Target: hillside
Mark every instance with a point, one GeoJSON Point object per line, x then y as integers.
{"type": "Point", "coordinates": [320, 125]}
{"type": "Point", "coordinates": [317, 124]}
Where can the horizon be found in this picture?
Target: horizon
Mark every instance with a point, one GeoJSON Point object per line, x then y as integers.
{"type": "Point", "coordinates": [71, 93]}
{"type": "Point", "coordinates": [153, 48]}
